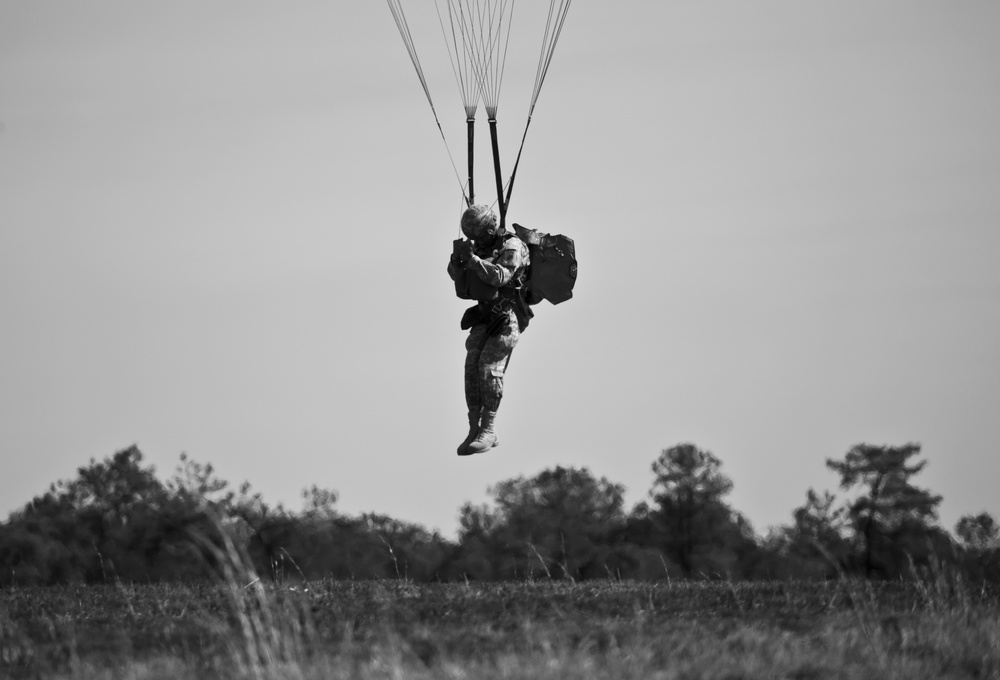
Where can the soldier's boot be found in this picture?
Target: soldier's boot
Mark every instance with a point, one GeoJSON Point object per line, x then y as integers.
{"type": "Point", "coordinates": [486, 439]}
{"type": "Point", "coordinates": [463, 448]}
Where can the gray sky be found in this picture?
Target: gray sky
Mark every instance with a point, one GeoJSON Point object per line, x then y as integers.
{"type": "Point", "coordinates": [224, 228]}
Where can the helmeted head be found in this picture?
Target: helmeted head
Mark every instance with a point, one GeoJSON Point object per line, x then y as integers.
{"type": "Point", "coordinates": [480, 223]}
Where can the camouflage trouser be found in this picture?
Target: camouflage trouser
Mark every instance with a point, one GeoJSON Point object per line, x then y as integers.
{"type": "Point", "coordinates": [485, 362]}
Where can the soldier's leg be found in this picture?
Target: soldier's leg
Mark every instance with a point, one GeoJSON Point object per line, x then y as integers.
{"type": "Point", "coordinates": [474, 345]}
{"type": "Point", "coordinates": [473, 399]}
{"type": "Point", "coordinates": [493, 362]}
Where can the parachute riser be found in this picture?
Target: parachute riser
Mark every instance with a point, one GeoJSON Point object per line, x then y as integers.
{"type": "Point", "coordinates": [471, 123]}
{"type": "Point", "coordinates": [497, 173]}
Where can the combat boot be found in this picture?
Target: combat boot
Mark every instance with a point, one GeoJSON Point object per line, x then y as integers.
{"type": "Point", "coordinates": [486, 439]}
{"type": "Point", "coordinates": [463, 448]}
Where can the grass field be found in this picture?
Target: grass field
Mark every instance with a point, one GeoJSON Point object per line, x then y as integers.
{"type": "Point", "coordinates": [397, 629]}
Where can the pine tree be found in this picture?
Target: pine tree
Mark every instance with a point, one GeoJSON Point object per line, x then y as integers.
{"type": "Point", "coordinates": [892, 519]}
{"type": "Point", "coordinates": [699, 531]}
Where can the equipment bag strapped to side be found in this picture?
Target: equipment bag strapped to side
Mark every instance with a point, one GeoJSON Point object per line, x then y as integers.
{"type": "Point", "coordinates": [553, 265]}
{"type": "Point", "coordinates": [468, 286]}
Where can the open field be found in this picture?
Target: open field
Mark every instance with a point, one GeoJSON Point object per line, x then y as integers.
{"type": "Point", "coordinates": [397, 629]}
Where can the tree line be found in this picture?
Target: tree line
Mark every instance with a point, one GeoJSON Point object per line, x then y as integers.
{"type": "Point", "coordinates": [116, 521]}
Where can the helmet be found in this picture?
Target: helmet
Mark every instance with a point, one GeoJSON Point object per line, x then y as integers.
{"type": "Point", "coordinates": [480, 223]}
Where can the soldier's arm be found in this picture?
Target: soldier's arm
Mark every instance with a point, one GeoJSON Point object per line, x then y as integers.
{"type": "Point", "coordinates": [498, 274]}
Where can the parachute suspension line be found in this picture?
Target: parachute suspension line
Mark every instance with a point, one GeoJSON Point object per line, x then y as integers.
{"type": "Point", "coordinates": [477, 35]}
{"type": "Point", "coordinates": [411, 50]}
{"type": "Point", "coordinates": [553, 29]}
{"type": "Point", "coordinates": [495, 21]}
{"type": "Point", "coordinates": [517, 162]}
{"type": "Point", "coordinates": [483, 28]}
{"type": "Point", "coordinates": [404, 31]}
{"type": "Point", "coordinates": [496, 59]}
{"type": "Point", "coordinates": [465, 78]}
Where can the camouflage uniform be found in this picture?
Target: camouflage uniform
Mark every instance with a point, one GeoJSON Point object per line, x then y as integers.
{"type": "Point", "coordinates": [494, 326]}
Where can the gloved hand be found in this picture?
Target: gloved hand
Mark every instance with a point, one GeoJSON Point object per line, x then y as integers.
{"type": "Point", "coordinates": [463, 252]}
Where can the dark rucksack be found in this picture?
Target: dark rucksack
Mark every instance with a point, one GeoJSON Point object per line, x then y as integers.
{"type": "Point", "coordinates": [553, 265]}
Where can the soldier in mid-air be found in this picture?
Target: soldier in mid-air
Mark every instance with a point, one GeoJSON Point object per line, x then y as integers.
{"type": "Point", "coordinates": [494, 262]}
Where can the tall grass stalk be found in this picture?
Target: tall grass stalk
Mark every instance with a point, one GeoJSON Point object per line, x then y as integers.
{"type": "Point", "coordinates": [272, 633]}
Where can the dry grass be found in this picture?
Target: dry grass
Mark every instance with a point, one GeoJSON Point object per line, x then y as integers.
{"type": "Point", "coordinates": [242, 628]}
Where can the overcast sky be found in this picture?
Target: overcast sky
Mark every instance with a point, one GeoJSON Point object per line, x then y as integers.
{"type": "Point", "coordinates": [224, 229]}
